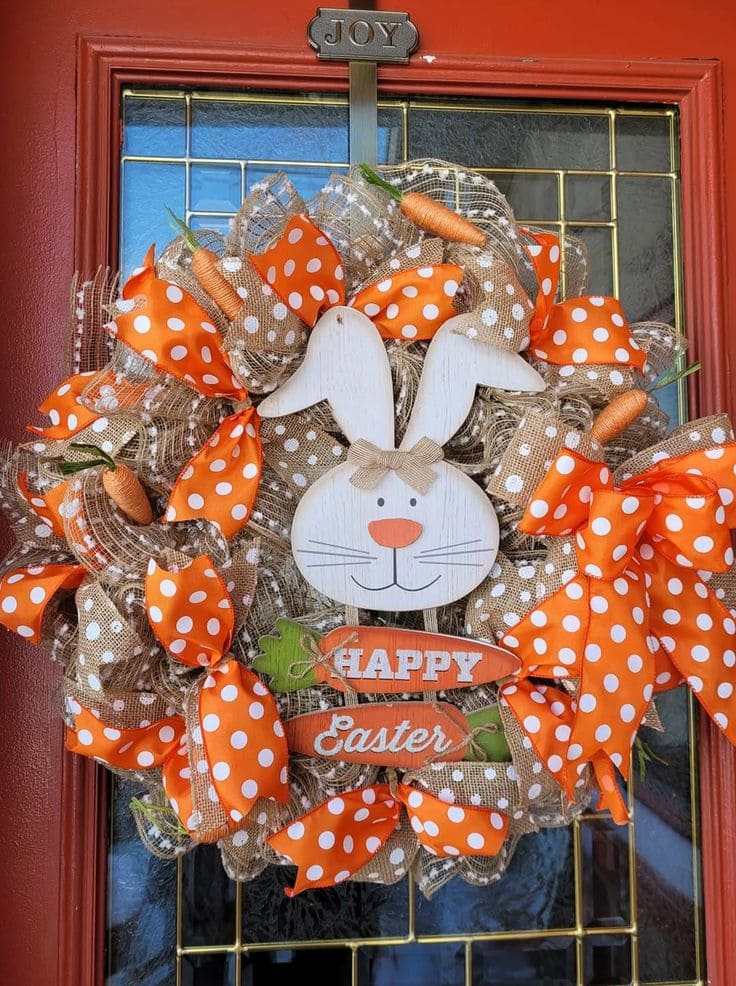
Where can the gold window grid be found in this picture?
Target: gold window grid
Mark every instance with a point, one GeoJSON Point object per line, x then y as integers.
{"type": "Point", "coordinates": [579, 932]}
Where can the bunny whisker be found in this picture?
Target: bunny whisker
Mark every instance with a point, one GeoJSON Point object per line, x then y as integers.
{"type": "Point", "coordinates": [342, 547]}
{"type": "Point", "coordinates": [463, 564]}
{"type": "Point", "coordinates": [450, 554]}
{"type": "Point", "coordinates": [446, 547]}
{"type": "Point", "coordinates": [340, 564]}
{"type": "Point", "coordinates": [335, 554]}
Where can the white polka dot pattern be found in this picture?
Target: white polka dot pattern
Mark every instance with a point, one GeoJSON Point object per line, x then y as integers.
{"type": "Point", "coordinates": [336, 839]}
{"type": "Point", "coordinates": [26, 592]}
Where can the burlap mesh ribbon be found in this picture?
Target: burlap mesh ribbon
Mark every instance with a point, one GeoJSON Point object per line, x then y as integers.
{"type": "Point", "coordinates": [155, 423]}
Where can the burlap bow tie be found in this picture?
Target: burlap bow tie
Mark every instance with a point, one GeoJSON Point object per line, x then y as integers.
{"type": "Point", "coordinates": [412, 466]}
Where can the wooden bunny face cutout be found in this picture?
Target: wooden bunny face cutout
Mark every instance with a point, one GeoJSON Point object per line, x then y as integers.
{"type": "Point", "coordinates": [389, 529]}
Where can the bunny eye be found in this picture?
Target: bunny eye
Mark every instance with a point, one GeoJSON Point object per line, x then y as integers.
{"type": "Point", "coordinates": [380, 501]}
{"type": "Point", "coordinates": [413, 502]}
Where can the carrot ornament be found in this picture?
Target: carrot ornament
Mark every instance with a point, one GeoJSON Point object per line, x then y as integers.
{"type": "Point", "coordinates": [429, 214]}
{"type": "Point", "coordinates": [204, 266]}
{"type": "Point", "coordinates": [626, 408]}
{"type": "Point", "coordinates": [119, 481]}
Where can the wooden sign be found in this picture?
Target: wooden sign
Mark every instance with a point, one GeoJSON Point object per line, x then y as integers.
{"type": "Point", "coordinates": [379, 660]}
{"type": "Point", "coordinates": [396, 546]}
{"type": "Point", "coordinates": [362, 35]}
{"type": "Point", "coordinates": [390, 734]}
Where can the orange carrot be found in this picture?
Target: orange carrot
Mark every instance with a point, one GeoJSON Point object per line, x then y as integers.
{"type": "Point", "coordinates": [626, 408]}
{"type": "Point", "coordinates": [204, 266]}
{"type": "Point", "coordinates": [619, 414]}
{"type": "Point", "coordinates": [119, 481]}
{"type": "Point", "coordinates": [428, 213]}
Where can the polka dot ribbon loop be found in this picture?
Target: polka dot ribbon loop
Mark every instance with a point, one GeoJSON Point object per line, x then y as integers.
{"type": "Point", "coordinates": [169, 328]}
{"type": "Point", "coordinates": [190, 612]}
{"type": "Point", "coordinates": [46, 506]}
{"type": "Point", "coordinates": [65, 409]}
{"type": "Point", "coordinates": [220, 483]}
{"type": "Point", "coordinates": [591, 329]}
{"type": "Point", "coordinates": [304, 269]}
{"type": "Point", "coordinates": [413, 303]}
{"type": "Point", "coordinates": [26, 592]}
{"type": "Point", "coordinates": [337, 838]}
{"type": "Point", "coordinates": [229, 751]}
{"type": "Point", "coordinates": [128, 749]}
{"type": "Point", "coordinates": [237, 747]}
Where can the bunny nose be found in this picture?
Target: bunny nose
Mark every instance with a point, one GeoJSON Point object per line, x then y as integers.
{"type": "Point", "coordinates": [394, 532]}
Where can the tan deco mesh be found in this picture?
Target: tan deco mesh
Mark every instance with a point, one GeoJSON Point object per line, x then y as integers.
{"type": "Point", "coordinates": [155, 423]}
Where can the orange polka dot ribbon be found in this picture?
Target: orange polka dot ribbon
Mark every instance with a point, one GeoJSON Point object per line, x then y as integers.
{"type": "Point", "coordinates": [228, 752]}
{"type": "Point", "coordinates": [220, 483]}
{"type": "Point", "coordinates": [305, 270]}
{"type": "Point", "coordinates": [65, 409]}
{"type": "Point", "coordinates": [638, 615]}
{"type": "Point", "coordinates": [46, 506]}
{"type": "Point", "coordinates": [26, 592]}
{"type": "Point", "coordinates": [167, 326]}
{"type": "Point", "coordinates": [588, 330]}
{"type": "Point", "coordinates": [190, 612]}
{"type": "Point", "coordinates": [334, 840]}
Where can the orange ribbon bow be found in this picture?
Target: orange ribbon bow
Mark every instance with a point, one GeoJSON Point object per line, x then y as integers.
{"type": "Point", "coordinates": [230, 748]}
{"type": "Point", "coordinates": [169, 328]}
{"type": "Point", "coordinates": [305, 271]}
{"type": "Point", "coordinates": [591, 329]}
{"type": "Point", "coordinates": [644, 552]}
{"type": "Point", "coordinates": [334, 840]}
{"type": "Point", "coordinates": [26, 592]}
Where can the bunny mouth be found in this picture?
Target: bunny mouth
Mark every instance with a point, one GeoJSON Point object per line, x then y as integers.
{"type": "Point", "coordinates": [395, 584]}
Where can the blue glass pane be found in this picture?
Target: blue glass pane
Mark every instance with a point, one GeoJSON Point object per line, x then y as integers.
{"type": "Point", "coordinates": [214, 188]}
{"type": "Point", "coordinates": [269, 131]}
{"type": "Point", "coordinates": [147, 190]}
{"type": "Point", "coordinates": [412, 965]}
{"type": "Point", "coordinates": [154, 127]}
{"type": "Point", "coordinates": [220, 224]}
{"type": "Point", "coordinates": [308, 181]}
{"type": "Point", "coordinates": [390, 144]}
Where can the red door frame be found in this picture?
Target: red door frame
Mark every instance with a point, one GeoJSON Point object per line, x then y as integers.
{"type": "Point", "coordinates": [106, 65]}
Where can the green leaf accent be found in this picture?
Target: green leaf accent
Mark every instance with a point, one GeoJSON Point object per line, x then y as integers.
{"type": "Point", "coordinates": [375, 179]}
{"type": "Point", "coordinates": [646, 755]}
{"type": "Point", "coordinates": [285, 659]}
{"type": "Point", "coordinates": [181, 229]}
{"type": "Point", "coordinates": [490, 742]}
{"type": "Point", "coordinates": [100, 459]}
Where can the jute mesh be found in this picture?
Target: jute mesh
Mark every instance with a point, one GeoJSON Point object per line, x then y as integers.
{"type": "Point", "coordinates": [156, 423]}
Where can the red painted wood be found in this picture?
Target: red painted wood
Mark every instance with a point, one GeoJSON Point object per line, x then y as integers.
{"type": "Point", "coordinates": [526, 50]}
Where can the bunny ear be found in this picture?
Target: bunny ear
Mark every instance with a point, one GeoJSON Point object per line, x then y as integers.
{"type": "Point", "coordinates": [347, 365]}
{"type": "Point", "coordinates": [453, 368]}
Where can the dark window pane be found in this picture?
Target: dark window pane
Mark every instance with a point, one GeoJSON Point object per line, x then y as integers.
{"type": "Point", "coordinates": [588, 197]}
{"type": "Point", "coordinates": [412, 965]}
{"type": "Point", "coordinates": [208, 970]}
{"type": "Point", "coordinates": [667, 916]}
{"type": "Point", "coordinates": [607, 960]}
{"type": "Point", "coordinates": [141, 918]}
{"type": "Point", "coordinates": [645, 248]}
{"type": "Point", "coordinates": [536, 893]}
{"type": "Point", "coordinates": [351, 910]}
{"type": "Point", "coordinates": [208, 899]}
{"type": "Point", "coordinates": [599, 243]}
{"type": "Point", "coordinates": [154, 127]}
{"type": "Point", "coordinates": [643, 143]}
{"type": "Point", "coordinates": [605, 848]}
{"type": "Point", "coordinates": [539, 962]}
{"type": "Point", "coordinates": [532, 197]}
{"type": "Point", "coordinates": [510, 140]}
{"type": "Point", "coordinates": [294, 967]}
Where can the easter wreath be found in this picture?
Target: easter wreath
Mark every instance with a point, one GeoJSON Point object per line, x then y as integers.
{"type": "Point", "coordinates": [360, 535]}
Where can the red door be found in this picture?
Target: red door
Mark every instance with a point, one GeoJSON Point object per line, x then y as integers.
{"type": "Point", "coordinates": [64, 67]}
